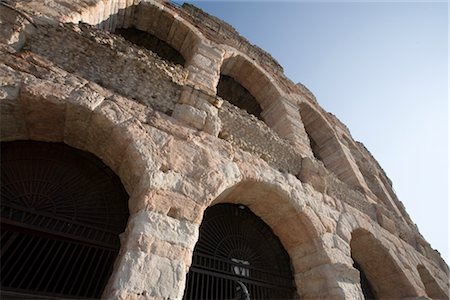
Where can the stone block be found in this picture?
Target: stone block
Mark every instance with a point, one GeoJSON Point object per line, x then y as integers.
{"type": "Point", "coordinates": [138, 159]}
{"type": "Point", "coordinates": [387, 223]}
{"type": "Point", "coordinates": [104, 118]}
{"type": "Point", "coordinates": [190, 115]}
{"type": "Point", "coordinates": [133, 277]}
{"type": "Point", "coordinates": [79, 106]}
{"type": "Point", "coordinates": [169, 203]}
{"type": "Point", "coordinates": [212, 125]}
{"type": "Point", "coordinates": [12, 121]}
{"type": "Point", "coordinates": [44, 109]}
{"type": "Point", "coordinates": [164, 228]}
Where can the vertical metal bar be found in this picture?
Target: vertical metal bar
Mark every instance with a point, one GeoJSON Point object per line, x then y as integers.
{"type": "Point", "coordinates": [35, 241]}
{"type": "Point", "coordinates": [71, 292]}
{"type": "Point", "coordinates": [207, 286]}
{"type": "Point", "coordinates": [9, 242]}
{"type": "Point", "coordinates": [42, 246]}
{"type": "Point", "coordinates": [78, 252]}
{"type": "Point", "coordinates": [47, 267]}
{"type": "Point", "coordinates": [96, 261]}
{"type": "Point", "coordinates": [44, 265]}
{"type": "Point", "coordinates": [55, 270]}
{"type": "Point", "coordinates": [18, 259]}
{"type": "Point", "coordinates": [217, 286]}
{"type": "Point", "coordinates": [198, 287]}
{"type": "Point", "coordinates": [192, 285]}
{"type": "Point", "coordinates": [106, 265]}
{"type": "Point", "coordinates": [87, 274]}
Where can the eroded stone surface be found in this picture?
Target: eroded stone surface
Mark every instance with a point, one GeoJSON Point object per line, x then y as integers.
{"type": "Point", "coordinates": [178, 149]}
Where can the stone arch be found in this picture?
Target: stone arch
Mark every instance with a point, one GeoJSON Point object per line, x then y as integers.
{"type": "Point", "coordinates": [258, 89]}
{"type": "Point", "coordinates": [381, 269]}
{"type": "Point", "coordinates": [62, 213]}
{"type": "Point", "coordinates": [327, 148]}
{"type": "Point", "coordinates": [150, 17]}
{"type": "Point", "coordinates": [296, 226]}
{"type": "Point", "coordinates": [82, 118]}
{"type": "Point", "coordinates": [230, 249]}
{"type": "Point", "coordinates": [261, 198]}
{"type": "Point", "coordinates": [432, 288]}
{"type": "Point", "coordinates": [242, 82]}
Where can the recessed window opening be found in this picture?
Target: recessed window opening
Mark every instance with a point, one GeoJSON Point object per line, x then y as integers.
{"type": "Point", "coordinates": [319, 134]}
{"type": "Point", "coordinates": [232, 91]}
{"type": "Point", "coordinates": [152, 43]}
{"type": "Point", "coordinates": [62, 211]}
{"type": "Point", "coordinates": [238, 256]}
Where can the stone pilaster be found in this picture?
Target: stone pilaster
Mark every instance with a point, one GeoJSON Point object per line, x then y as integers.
{"type": "Point", "coordinates": [155, 257]}
{"type": "Point", "coordinates": [198, 105]}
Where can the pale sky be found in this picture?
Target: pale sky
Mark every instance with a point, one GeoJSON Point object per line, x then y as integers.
{"type": "Point", "coordinates": [382, 69]}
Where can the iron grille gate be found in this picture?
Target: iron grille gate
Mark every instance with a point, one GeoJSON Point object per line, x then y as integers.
{"type": "Point", "coordinates": [237, 256]}
{"type": "Point", "coordinates": [61, 212]}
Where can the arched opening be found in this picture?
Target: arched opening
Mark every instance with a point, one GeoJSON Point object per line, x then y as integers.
{"type": "Point", "coordinates": [433, 290]}
{"type": "Point", "coordinates": [326, 147]}
{"type": "Point", "coordinates": [62, 211]}
{"type": "Point", "coordinates": [244, 85]}
{"type": "Point", "coordinates": [238, 256]}
{"type": "Point", "coordinates": [366, 287]}
{"type": "Point", "coordinates": [152, 43]}
{"type": "Point", "coordinates": [230, 90]}
{"type": "Point", "coordinates": [148, 25]}
{"type": "Point", "coordinates": [321, 137]}
{"type": "Point", "coordinates": [381, 276]}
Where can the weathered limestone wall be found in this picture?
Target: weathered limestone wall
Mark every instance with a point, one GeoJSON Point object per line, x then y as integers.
{"type": "Point", "coordinates": [93, 91]}
{"type": "Point", "coordinates": [223, 33]}
{"type": "Point", "coordinates": [111, 62]}
{"type": "Point", "coordinates": [248, 133]}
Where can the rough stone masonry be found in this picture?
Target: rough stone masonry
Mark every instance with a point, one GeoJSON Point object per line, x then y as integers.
{"type": "Point", "coordinates": [82, 73]}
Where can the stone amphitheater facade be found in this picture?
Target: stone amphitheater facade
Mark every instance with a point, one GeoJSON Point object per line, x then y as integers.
{"type": "Point", "coordinates": [207, 120]}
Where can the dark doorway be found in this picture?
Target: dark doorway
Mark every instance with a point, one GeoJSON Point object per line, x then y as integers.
{"type": "Point", "coordinates": [238, 256]}
{"type": "Point", "coordinates": [62, 210]}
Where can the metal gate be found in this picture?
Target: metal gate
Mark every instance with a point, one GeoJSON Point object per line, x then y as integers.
{"type": "Point", "coordinates": [237, 256]}
{"type": "Point", "coordinates": [61, 212]}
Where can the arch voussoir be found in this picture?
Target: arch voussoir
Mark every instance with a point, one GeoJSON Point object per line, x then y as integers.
{"type": "Point", "coordinates": [319, 266]}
